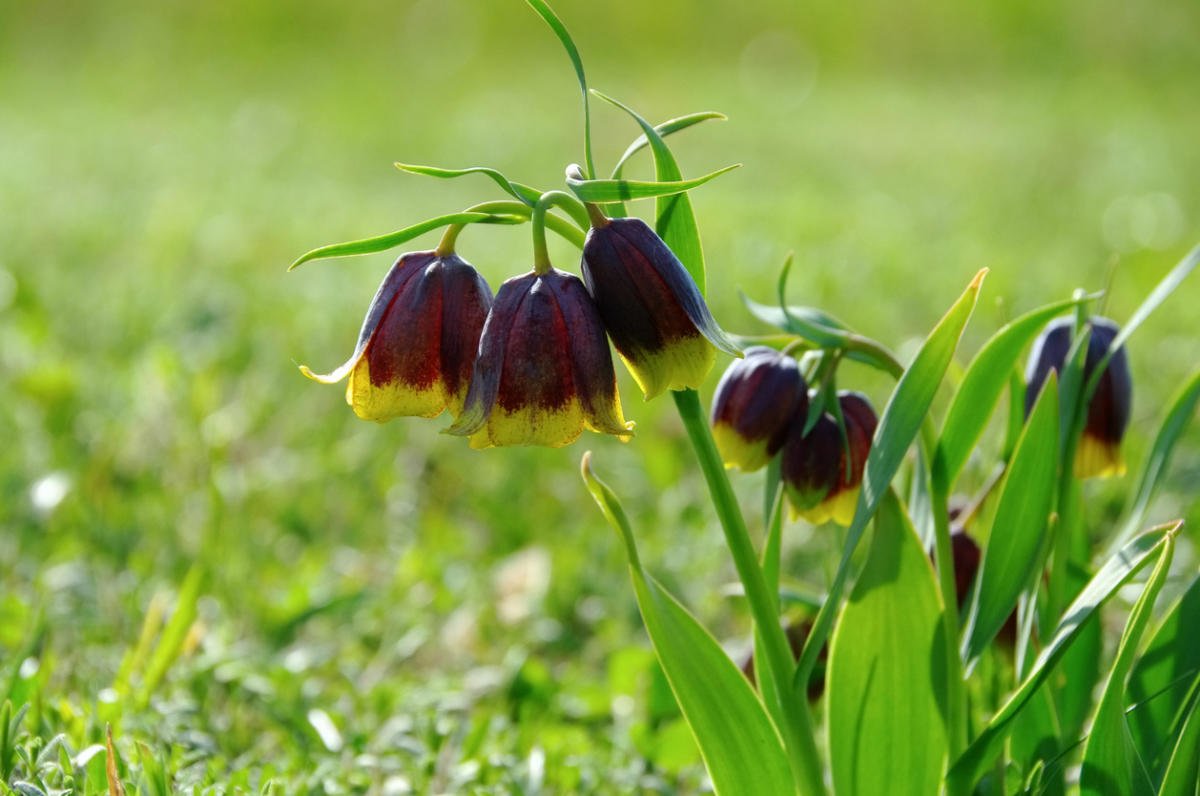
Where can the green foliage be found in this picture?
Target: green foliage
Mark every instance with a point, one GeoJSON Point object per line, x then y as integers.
{"type": "Point", "coordinates": [886, 710]}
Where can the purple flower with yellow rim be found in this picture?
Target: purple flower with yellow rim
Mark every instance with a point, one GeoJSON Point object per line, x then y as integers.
{"type": "Point", "coordinates": [650, 304]}
{"type": "Point", "coordinates": [1099, 450]}
{"type": "Point", "coordinates": [417, 346]}
{"type": "Point", "coordinates": [754, 405]}
{"type": "Point", "coordinates": [822, 471]}
{"type": "Point", "coordinates": [544, 371]}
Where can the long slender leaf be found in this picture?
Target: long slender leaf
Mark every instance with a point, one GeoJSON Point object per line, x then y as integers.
{"type": "Point", "coordinates": [1161, 675]}
{"type": "Point", "coordinates": [982, 384]}
{"type": "Point", "coordinates": [1115, 573]}
{"type": "Point", "coordinates": [564, 36]}
{"type": "Point", "coordinates": [1014, 553]}
{"type": "Point", "coordinates": [1110, 759]}
{"type": "Point", "coordinates": [170, 643]}
{"type": "Point", "coordinates": [1157, 296]}
{"type": "Point", "coordinates": [523, 193]}
{"type": "Point", "coordinates": [665, 129]}
{"type": "Point", "coordinates": [740, 746]}
{"type": "Point", "coordinates": [618, 190]}
{"type": "Point", "coordinates": [1183, 769]}
{"type": "Point", "coordinates": [898, 427]}
{"type": "Point", "coordinates": [393, 239]}
{"type": "Point", "coordinates": [1183, 407]}
{"type": "Point", "coordinates": [674, 219]}
{"type": "Point", "coordinates": [886, 731]}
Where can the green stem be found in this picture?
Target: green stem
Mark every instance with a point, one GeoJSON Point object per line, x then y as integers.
{"type": "Point", "coordinates": [956, 707]}
{"type": "Point", "coordinates": [797, 731]}
{"type": "Point", "coordinates": [538, 218]}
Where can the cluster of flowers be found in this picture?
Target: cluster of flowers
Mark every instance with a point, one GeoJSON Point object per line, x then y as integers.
{"type": "Point", "coordinates": [531, 366]}
{"type": "Point", "coordinates": [761, 408]}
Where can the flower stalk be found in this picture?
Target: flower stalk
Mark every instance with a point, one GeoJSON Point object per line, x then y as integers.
{"type": "Point", "coordinates": [798, 736]}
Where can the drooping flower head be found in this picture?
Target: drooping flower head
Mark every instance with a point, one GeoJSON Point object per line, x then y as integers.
{"type": "Point", "coordinates": [754, 405]}
{"type": "Point", "coordinates": [822, 472]}
{"type": "Point", "coordinates": [544, 371]}
{"type": "Point", "coordinates": [1099, 450]}
{"type": "Point", "coordinates": [650, 304]}
{"type": "Point", "coordinates": [417, 346]}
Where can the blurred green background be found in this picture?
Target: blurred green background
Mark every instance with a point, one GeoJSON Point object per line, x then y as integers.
{"type": "Point", "coordinates": [381, 609]}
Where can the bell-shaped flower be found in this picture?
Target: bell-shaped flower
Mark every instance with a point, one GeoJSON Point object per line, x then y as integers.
{"type": "Point", "coordinates": [544, 371]}
{"type": "Point", "coordinates": [754, 405]}
{"type": "Point", "coordinates": [650, 304]}
{"type": "Point", "coordinates": [416, 349]}
{"type": "Point", "coordinates": [1098, 453]}
{"type": "Point", "coordinates": [822, 471]}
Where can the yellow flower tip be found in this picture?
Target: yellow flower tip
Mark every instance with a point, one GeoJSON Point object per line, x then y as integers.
{"type": "Point", "coordinates": [738, 452]}
{"type": "Point", "coordinates": [842, 506]}
{"type": "Point", "coordinates": [1096, 458]}
{"type": "Point", "coordinates": [383, 402]}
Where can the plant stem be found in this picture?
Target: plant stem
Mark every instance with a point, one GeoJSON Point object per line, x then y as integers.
{"type": "Point", "coordinates": [537, 218]}
{"type": "Point", "coordinates": [797, 731]}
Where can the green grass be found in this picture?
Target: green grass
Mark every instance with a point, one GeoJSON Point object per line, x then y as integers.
{"type": "Point", "coordinates": [459, 616]}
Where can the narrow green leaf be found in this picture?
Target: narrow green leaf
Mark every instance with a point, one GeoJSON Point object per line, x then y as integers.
{"type": "Point", "coordinates": [519, 191]}
{"type": "Point", "coordinates": [1160, 678]}
{"type": "Point", "coordinates": [1036, 739]}
{"type": "Point", "coordinates": [982, 384]}
{"type": "Point", "coordinates": [617, 190]}
{"type": "Point", "coordinates": [1183, 769]}
{"type": "Point", "coordinates": [740, 746]}
{"type": "Point", "coordinates": [674, 219]}
{"type": "Point", "coordinates": [1157, 296]}
{"type": "Point", "coordinates": [1182, 408]}
{"type": "Point", "coordinates": [886, 731]}
{"type": "Point", "coordinates": [1110, 760]}
{"type": "Point", "coordinates": [393, 239]}
{"type": "Point", "coordinates": [665, 129]}
{"type": "Point", "coordinates": [1016, 547]}
{"type": "Point", "coordinates": [983, 751]}
{"type": "Point", "coordinates": [560, 30]}
{"type": "Point", "coordinates": [170, 643]}
{"type": "Point", "coordinates": [898, 427]}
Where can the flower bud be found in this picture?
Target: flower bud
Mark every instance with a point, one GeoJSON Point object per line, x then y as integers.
{"type": "Point", "coordinates": [544, 371]}
{"type": "Point", "coordinates": [417, 345]}
{"type": "Point", "coordinates": [650, 304]}
{"type": "Point", "coordinates": [1099, 450]}
{"type": "Point", "coordinates": [822, 472]}
{"type": "Point", "coordinates": [754, 404]}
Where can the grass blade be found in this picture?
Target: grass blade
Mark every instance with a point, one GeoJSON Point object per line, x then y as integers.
{"type": "Point", "coordinates": [1183, 770]}
{"type": "Point", "coordinates": [1110, 759]}
{"type": "Point", "coordinates": [983, 751]}
{"type": "Point", "coordinates": [886, 732]}
{"type": "Point", "coordinates": [1160, 678]}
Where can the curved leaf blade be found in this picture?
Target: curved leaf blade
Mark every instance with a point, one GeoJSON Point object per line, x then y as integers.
{"type": "Point", "coordinates": [1183, 769]}
{"type": "Point", "coordinates": [665, 129]}
{"type": "Point", "coordinates": [886, 732]}
{"type": "Point", "coordinates": [548, 16]}
{"type": "Point", "coordinates": [620, 190]}
{"type": "Point", "coordinates": [1110, 759]}
{"type": "Point", "coordinates": [1015, 548]}
{"type": "Point", "coordinates": [521, 192]}
{"type": "Point", "coordinates": [393, 239]}
{"type": "Point", "coordinates": [740, 746]}
{"type": "Point", "coordinates": [1160, 678]}
{"type": "Point", "coordinates": [898, 427]}
{"type": "Point", "coordinates": [983, 751]}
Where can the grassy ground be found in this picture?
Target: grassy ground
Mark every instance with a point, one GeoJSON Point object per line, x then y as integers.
{"type": "Point", "coordinates": [378, 609]}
